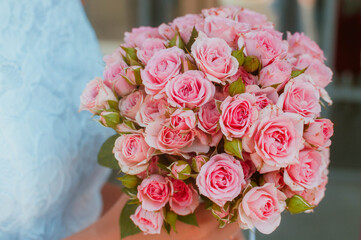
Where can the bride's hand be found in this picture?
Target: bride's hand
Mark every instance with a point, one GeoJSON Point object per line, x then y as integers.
{"type": "Point", "coordinates": [106, 228]}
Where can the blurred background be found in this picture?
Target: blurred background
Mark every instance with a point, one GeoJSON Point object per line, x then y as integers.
{"type": "Point", "coordinates": [336, 26]}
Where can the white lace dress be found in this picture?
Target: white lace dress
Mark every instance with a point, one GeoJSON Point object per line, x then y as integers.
{"type": "Point", "coordinates": [49, 178]}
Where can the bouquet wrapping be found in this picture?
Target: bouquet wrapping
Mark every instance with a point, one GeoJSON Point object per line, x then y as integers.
{"type": "Point", "coordinates": [217, 108]}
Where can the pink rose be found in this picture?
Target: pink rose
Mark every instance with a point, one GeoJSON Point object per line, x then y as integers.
{"type": "Point", "coordinates": [154, 192]}
{"type": "Point", "coordinates": [152, 168]}
{"type": "Point", "coordinates": [253, 19]}
{"type": "Point", "coordinates": [149, 222]}
{"type": "Point", "coordinates": [224, 12]}
{"type": "Point", "coordinates": [274, 140]}
{"type": "Point", "coordinates": [130, 105]}
{"type": "Point", "coordinates": [151, 110]}
{"type": "Point", "coordinates": [123, 128]}
{"type": "Point", "coordinates": [266, 45]}
{"type": "Point", "coordinates": [315, 195]}
{"type": "Point", "coordinates": [138, 35]}
{"type": "Point", "coordinates": [301, 44]}
{"type": "Point", "coordinates": [163, 66]}
{"type": "Point", "coordinates": [238, 113]}
{"type": "Point", "coordinates": [261, 208]}
{"type": "Point", "coordinates": [319, 132]}
{"type": "Point", "coordinates": [227, 29]}
{"type": "Point", "coordinates": [132, 153]}
{"type": "Point", "coordinates": [247, 78]}
{"type": "Point", "coordinates": [275, 73]}
{"type": "Point", "coordinates": [114, 74]}
{"type": "Point", "coordinates": [185, 25]}
{"type": "Point", "coordinates": [190, 89]}
{"type": "Point", "coordinates": [302, 97]}
{"type": "Point", "coordinates": [248, 167]}
{"type": "Point", "coordinates": [307, 173]}
{"type": "Point", "coordinates": [184, 199]}
{"type": "Point", "coordinates": [166, 31]}
{"type": "Point", "coordinates": [213, 57]}
{"type": "Point", "coordinates": [95, 96]}
{"type": "Point", "coordinates": [183, 120]}
{"type": "Point", "coordinates": [208, 117]}
{"type": "Point", "coordinates": [221, 179]}
{"type": "Point", "coordinates": [275, 177]}
{"type": "Point", "coordinates": [149, 47]}
{"type": "Point", "coordinates": [319, 72]}
{"type": "Point", "coordinates": [161, 136]}
{"type": "Point", "coordinates": [198, 162]}
{"type": "Point", "coordinates": [264, 96]}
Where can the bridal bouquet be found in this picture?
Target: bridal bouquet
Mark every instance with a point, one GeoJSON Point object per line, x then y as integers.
{"type": "Point", "coordinates": [215, 108]}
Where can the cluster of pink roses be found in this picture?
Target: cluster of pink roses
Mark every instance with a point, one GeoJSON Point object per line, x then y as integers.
{"type": "Point", "coordinates": [217, 105]}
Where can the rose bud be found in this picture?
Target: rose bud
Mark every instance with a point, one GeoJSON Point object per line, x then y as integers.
{"type": "Point", "coordinates": [180, 170]}
{"type": "Point", "coordinates": [198, 162]}
{"type": "Point", "coordinates": [110, 119]}
{"type": "Point", "coordinates": [129, 181]}
{"type": "Point", "coordinates": [251, 64]}
{"type": "Point", "coordinates": [131, 75]}
{"type": "Point", "coordinates": [222, 214]}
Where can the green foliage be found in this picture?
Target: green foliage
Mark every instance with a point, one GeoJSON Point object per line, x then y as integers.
{"type": "Point", "coordinates": [189, 219]}
{"type": "Point", "coordinates": [237, 87]}
{"type": "Point", "coordinates": [176, 41]}
{"type": "Point", "coordinates": [238, 54]}
{"type": "Point", "coordinates": [171, 219]}
{"type": "Point", "coordinates": [105, 156]}
{"type": "Point", "coordinates": [127, 227]}
{"type": "Point", "coordinates": [296, 73]}
{"type": "Point", "coordinates": [233, 147]}
{"type": "Point", "coordinates": [192, 39]}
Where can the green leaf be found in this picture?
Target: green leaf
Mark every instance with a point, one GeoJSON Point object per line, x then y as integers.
{"type": "Point", "coordinates": [176, 41]}
{"type": "Point", "coordinates": [192, 39]}
{"type": "Point", "coordinates": [189, 219]}
{"type": "Point", "coordinates": [127, 227]}
{"type": "Point", "coordinates": [129, 181]}
{"type": "Point", "coordinates": [238, 54]}
{"type": "Point", "coordinates": [162, 166]}
{"type": "Point", "coordinates": [131, 192]}
{"type": "Point", "coordinates": [134, 201]}
{"type": "Point", "coordinates": [105, 156]}
{"type": "Point", "coordinates": [171, 218]}
{"type": "Point", "coordinates": [127, 80]}
{"type": "Point", "coordinates": [297, 204]}
{"type": "Point", "coordinates": [296, 73]}
{"type": "Point", "coordinates": [167, 227]}
{"type": "Point", "coordinates": [113, 104]}
{"type": "Point", "coordinates": [131, 53]}
{"type": "Point", "coordinates": [237, 87]}
{"type": "Point", "coordinates": [138, 79]}
{"type": "Point", "coordinates": [233, 147]}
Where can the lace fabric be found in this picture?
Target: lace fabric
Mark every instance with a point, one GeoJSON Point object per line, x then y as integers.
{"type": "Point", "coordinates": [49, 178]}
